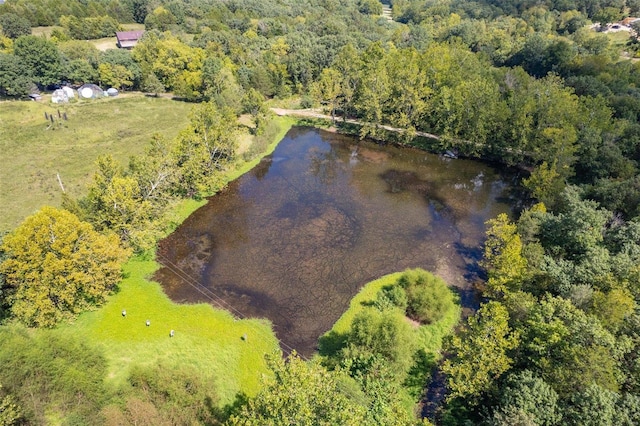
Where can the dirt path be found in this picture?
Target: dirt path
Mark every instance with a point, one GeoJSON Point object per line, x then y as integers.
{"type": "Point", "coordinates": [315, 113]}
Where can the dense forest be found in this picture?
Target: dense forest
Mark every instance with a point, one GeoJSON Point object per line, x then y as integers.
{"type": "Point", "coordinates": [523, 84]}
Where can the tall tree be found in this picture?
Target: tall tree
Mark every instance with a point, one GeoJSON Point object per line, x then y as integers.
{"type": "Point", "coordinates": [205, 147]}
{"type": "Point", "coordinates": [15, 80]}
{"type": "Point", "coordinates": [480, 352]}
{"type": "Point", "coordinates": [58, 266]}
{"type": "Point", "coordinates": [503, 257]}
{"type": "Point", "coordinates": [14, 26]}
{"type": "Point", "coordinates": [327, 89]}
{"type": "Point", "coordinates": [115, 203]}
{"type": "Point", "coordinates": [40, 57]}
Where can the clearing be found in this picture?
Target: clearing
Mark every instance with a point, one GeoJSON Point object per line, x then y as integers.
{"type": "Point", "coordinates": [32, 151]}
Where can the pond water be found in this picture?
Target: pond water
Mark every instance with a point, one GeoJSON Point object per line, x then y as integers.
{"type": "Point", "coordinates": [296, 238]}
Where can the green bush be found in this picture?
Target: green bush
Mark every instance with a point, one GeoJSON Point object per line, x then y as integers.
{"type": "Point", "coordinates": [48, 373]}
{"type": "Point", "coordinates": [380, 335]}
{"type": "Point", "coordinates": [391, 296]}
{"type": "Point", "coordinates": [177, 393]}
{"type": "Point", "coordinates": [429, 298]}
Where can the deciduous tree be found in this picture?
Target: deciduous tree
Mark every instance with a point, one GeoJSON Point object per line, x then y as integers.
{"type": "Point", "coordinates": [14, 26]}
{"type": "Point", "coordinates": [503, 257]}
{"type": "Point", "coordinates": [15, 80]}
{"type": "Point", "coordinates": [58, 266]}
{"type": "Point", "coordinates": [480, 351]}
{"type": "Point", "coordinates": [300, 393]}
{"type": "Point", "coordinates": [40, 57]}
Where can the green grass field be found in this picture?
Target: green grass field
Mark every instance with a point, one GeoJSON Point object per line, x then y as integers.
{"type": "Point", "coordinates": [207, 339]}
{"type": "Point", "coordinates": [31, 153]}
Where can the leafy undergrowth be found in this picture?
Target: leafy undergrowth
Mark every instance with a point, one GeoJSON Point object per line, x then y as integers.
{"type": "Point", "coordinates": [427, 338]}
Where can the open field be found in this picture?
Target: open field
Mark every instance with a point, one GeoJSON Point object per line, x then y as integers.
{"type": "Point", "coordinates": [100, 43]}
{"type": "Point", "coordinates": [32, 153]}
{"type": "Point", "coordinates": [207, 339]}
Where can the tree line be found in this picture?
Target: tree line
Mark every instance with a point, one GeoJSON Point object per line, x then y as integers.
{"type": "Point", "coordinates": [556, 341]}
{"type": "Point", "coordinates": [524, 84]}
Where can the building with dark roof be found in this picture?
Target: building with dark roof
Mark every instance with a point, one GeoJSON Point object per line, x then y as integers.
{"type": "Point", "coordinates": [128, 39]}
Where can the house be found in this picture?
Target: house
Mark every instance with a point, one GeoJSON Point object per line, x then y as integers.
{"type": "Point", "coordinates": [628, 21]}
{"type": "Point", "coordinates": [128, 39]}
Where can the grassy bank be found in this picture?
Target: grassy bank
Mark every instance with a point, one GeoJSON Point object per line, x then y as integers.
{"type": "Point", "coordinates": [32, 151]}
{"type": "Point", "coordinates": [207, 339]}
{"type": "Point", "coordinates": [229, 353]}
{"type": "Point", "coordinates": [427, 339]}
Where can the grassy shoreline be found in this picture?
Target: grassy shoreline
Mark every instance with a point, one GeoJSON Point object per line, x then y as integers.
{"type": "Point", "coordinates": [228, 352]}
{"type": "Point", "coordinates": [429, 336]}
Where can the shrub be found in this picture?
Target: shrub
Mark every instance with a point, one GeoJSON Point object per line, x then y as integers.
{"type": "Point", "coordinates": [391, 296]}
{"type": "Point", "coordinates": [380, 335]}
{"type": "Point", "coordinates": [176, 393]}
{"type": "Point", "coordinates": [429, 298]}
{"type": "Point", "coordinates": [48, 372]}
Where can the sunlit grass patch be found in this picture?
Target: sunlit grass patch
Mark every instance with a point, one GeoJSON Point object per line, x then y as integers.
{"type": "Point", "coordinates": [210, 340]}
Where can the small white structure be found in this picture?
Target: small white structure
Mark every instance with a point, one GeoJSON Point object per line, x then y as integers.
{"type": "Point", "coordinates": [59, 96]}
{"type": "Point", "coordinates": [90, 91]}
{"type": "Point", "coordinates": [69, 91]}
{"type": "Point", "coordinates": [112, 91]}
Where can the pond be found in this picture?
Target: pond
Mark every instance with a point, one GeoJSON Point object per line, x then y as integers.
{"type": "Point", "coordinates": [296, 238]}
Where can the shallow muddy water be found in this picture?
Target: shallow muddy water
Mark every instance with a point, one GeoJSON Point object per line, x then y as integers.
{"type": "Point", "coordinates": [295, 239]}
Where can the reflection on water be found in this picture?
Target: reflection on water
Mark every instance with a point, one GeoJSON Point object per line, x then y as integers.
{"type": "Point", "coordinates": [296, 238]}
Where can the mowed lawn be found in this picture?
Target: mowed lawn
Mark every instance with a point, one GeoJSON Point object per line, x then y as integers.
{"type": "Point", "coordinates": [229, 353]}
{"type": "Point", "coordinates": [32, 152]}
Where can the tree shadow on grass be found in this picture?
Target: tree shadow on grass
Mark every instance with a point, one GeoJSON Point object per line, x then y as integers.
{"type": "Point", "coordinates": [419, 375]}
{"type": "Point", "coordinates": [331, 343]}
{"type": "Point", "coordinates": [222, 414]}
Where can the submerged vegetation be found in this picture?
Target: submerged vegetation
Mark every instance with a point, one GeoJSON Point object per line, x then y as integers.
{"type": "Point", "coordinates": [530, 85]}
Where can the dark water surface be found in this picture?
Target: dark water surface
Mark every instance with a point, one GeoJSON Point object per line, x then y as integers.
{"type": "Point", "coordinates": [295, 239]}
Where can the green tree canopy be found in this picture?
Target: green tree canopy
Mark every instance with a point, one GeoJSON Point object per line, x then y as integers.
{"type": "Point", "coordinates": [14, 26]}
{"type": "Point", "coordinates": [58, 266]}
{"type": "Point", "coordinates": [40, 57]}
{"type": "Point", "coordinates": [15, 80]}
{"type": "Point", "coordinates": [526, 393]}
{"type": "Point", "coordinates": [480, 351]}
{"type": "Point", "coordinates": [300, 393]}
{"type": "Point", "coordinates": [503, 257]}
